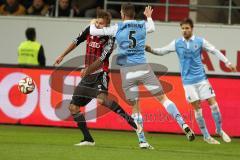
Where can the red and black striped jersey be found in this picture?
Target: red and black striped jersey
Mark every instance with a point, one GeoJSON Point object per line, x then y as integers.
{"type": "Point", "coordinates": [96, 46]}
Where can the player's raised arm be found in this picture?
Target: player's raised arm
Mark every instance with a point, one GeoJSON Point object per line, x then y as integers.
{"type": "Point", "coordinates": [150, 27]}
{"type": "Point", "coordinates": [211, 49]}
{"type": "Point", "coordinates": [81, 38]}
{"type": "Point", "coordinates": [107, 31]}
{"type": "Point", "coordinates": [71, 47]}
{"type": "Point", "coordinates": [161, 51]}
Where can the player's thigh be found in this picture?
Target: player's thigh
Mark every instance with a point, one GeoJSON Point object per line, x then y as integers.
{"type": "Point", "coordinates": [205, 90]}
{"type": "Point", "coordinates": [129, 83]}
{"type": "Point", "coordinates": [90, 86]}
{"type": "Point", "coordinates": [73, 108]}
{"type": "Point", "coordinates": [196, 104]}
{"type": "Point", "coordinates": [101, 86]}
{"type": "Point", "coordinates": [101, 98]}
{"type": "Point", "coordinates": [212, 101]}
{"type": "Point", "coordinates": [161, 97]}
{"type": "Point", "coordinates": [102, 83]}
{"type": "Point", "coordinates": [151, 82]}
{"type": "Point", "coordinates": [191, 93]}
{"type": "Point", "coordinates": [80, 96]}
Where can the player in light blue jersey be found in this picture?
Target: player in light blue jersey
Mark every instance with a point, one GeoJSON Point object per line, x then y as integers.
{"type": "Point", "coordinates": [196, 85]}
{"type": "Point", "coordinates": [130, 36]}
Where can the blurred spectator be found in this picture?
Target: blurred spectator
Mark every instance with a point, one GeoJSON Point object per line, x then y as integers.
{"type": "Point", "coordinates": [12, 7]}
{"type": "Point", "coordinates": [51, 2]}
{"type": "Point", "coordinates": [31, 52]}
{"type": "Point", "coordinates": [26, 3]}
{"type": "Point", "coordinates": [92, 6]}
{"type": "Point", "coordinates": [38, 8]}
{"type": "Point", "coordinates": [2, 2]}
{"type": "Point", "coordinates": [64, 9]}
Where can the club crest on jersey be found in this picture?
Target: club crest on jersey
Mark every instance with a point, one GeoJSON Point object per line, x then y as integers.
{"type": "Point", "coordinates": [195, 46]}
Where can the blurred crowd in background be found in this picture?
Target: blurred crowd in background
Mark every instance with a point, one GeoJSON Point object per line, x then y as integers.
{"type": "Point", "coordinates": [206, 12]}
{"type": "Point", "coordinates": [59, 8]}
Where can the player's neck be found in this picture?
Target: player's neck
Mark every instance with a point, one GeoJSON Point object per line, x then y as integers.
{"type": "Point", "coordinates": [128, 18]}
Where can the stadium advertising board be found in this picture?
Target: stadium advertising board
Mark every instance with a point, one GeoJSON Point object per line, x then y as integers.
{"type": "Point", "coordinates": [48, 104]}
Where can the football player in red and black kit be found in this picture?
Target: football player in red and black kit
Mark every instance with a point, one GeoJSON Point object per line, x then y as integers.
{"type": "Point", "coordinates": [94, 85]}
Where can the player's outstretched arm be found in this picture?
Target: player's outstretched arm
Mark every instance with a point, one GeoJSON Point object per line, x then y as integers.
{"type": "Point", "coordinates": [232, 67]}
{"type": "Point", "coordinates": [68, 50]}
{"type": "Point", "coordinates": [105, 31]}
{"type": "Point", "coordinates": [155, 51]}
{"type": "Point", "coordinates": [81, 38]}
{"type": "Point", "coordinates": [211, 49]}
{"type": "Point", "coordinates": [161, 51]}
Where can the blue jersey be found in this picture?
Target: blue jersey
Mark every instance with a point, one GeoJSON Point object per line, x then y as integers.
{"type": "Point", "coordinates": [130, 37]}
{"type": "Point", "coordinates": [192, 69]}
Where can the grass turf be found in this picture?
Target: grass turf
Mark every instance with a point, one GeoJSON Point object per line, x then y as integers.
{"type": "Point", "coordinates": [46, 143]}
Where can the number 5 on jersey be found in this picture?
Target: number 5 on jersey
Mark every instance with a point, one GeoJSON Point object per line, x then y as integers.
{"type": "Point", "coordinates": [132, 39]}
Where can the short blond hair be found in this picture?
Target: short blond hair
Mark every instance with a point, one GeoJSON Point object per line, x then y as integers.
{"type": "Point", "coordinates": [104, 15]}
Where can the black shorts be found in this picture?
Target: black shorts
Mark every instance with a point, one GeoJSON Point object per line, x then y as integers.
{"type": "Point", "coordinates": [89, 87]}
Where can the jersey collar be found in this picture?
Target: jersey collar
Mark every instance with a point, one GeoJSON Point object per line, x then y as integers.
{"type": "Point", "coordinates": [192, 38]}
{"type": "Point", "coordinates": [125, 21]}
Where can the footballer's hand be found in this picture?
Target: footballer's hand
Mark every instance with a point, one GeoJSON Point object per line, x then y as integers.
{"type": "Point", "coordinates": [148, 11]}
{"type": "Point", "coordinates": [83, 72]}
{"type": "Point", "coordinates": [58, 60]}
{"type": "Point", "coordinates": [232, 68]}
{"type": "Point", "coordinates": [148, 48]}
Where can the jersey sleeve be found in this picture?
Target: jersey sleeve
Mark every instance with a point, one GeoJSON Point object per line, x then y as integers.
{"type": "Point", "coordinates": [82, 36]}
{"type": "Point", "coordinates": [108, 49]}
{"type": "Point", "coordinates": [105, 31]}
{"type": "Point", "coordinates": [150, 27]}
{"type": "Point", "coordinates": [211, 49]}
{"type": "Point", "coordinates": [165, 50]}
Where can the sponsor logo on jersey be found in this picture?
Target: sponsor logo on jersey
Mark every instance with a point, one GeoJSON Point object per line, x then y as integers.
{"type": "Point", "coordinates": [94, 45]}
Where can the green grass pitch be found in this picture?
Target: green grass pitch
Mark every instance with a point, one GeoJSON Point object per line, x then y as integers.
{"type": "Point", "coordinates": [47, 143]}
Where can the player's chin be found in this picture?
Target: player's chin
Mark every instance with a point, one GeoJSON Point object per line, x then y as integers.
{"type": "Point", "coordinates": [186, 36]}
